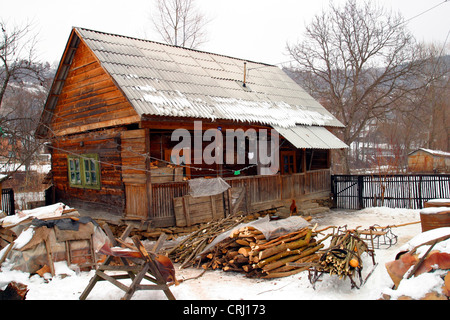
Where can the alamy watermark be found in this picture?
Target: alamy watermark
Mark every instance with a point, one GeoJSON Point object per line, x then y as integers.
{"type": "Point", "coordinates": [263, 147]}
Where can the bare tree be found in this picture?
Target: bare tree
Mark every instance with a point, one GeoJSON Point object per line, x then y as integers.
{"type": "Point", "coordinates": [180, 23]}
{"type": "Point", "coordinates": [359, 60]}
{"type": "Point", "coordinates": [23, 88]}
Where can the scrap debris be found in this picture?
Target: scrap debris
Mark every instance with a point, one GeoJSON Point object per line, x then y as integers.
{"type": "Point", "coordinates": [14, 291]}
{"type": "Point", "coordinates": [427, 253]}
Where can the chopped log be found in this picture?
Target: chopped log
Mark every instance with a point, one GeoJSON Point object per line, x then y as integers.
{"type": "Point", "coordinates": [247, 268]}
{"type": "Point", "coordinates": [285, 274]}
{"type": "Point", "coordinates": [285, 246]}
{"type": "Point", "coordinates": [286, 238]}
{"type": "Point", "coordinates": [239, 259]}
{"type": "Point", "coordinates": [231, 254]}
{"type": "Point", "coordinates": [244, 251]}
{"type": "Point", "coordinates": [243, 242]}
{"type": "Point", "coordinates": [230, 268]}
{"type": "Point", "coordinates": [283, 261]}
{"type": "Point", "coordinates": [308, 260]}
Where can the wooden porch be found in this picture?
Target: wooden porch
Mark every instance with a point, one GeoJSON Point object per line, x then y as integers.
{"type": "Point", "coordinates": [248, 194]}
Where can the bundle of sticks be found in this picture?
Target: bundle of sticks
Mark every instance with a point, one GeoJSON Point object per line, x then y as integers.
{"type": "Point", "coordinates": [247, 250]}
{"type": "Point", "coordinates": [186, 251]}
{"type": "Point", "coordinates": [343, 257]}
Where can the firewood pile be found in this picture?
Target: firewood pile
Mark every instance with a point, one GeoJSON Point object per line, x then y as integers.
{"type": "Point", "coordinates": [233, 244]}
{"type": "Point", "coordinates": [343, 257]}
{"type": "Point", "coordinates": [246, 250]}
{"type": "Point", "coordinates": [186, 250]}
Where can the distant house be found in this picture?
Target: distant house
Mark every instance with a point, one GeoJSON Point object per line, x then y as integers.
{"type": "Point", "coordinates": [429, 161]}
{"type": "Point", "coordinates": [115, 102]}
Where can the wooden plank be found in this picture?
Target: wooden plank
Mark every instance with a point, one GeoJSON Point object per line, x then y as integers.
{"type": "Point", "coordinates": [50, 257]}
{"type": "Point", "coordinates": [189, 210]}
{"type": "Point", "coordinates": [186, 213]}
{"type": "Point", "coordinates": [213, 207]}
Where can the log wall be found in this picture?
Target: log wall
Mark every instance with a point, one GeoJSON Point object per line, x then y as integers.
{"type": "Point", "coordinates": [89, 99]}
{"type": "Point", "coordinates": [105, 144]}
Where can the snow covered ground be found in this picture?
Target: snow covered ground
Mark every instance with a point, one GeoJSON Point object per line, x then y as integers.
{"type": "Point", "coordinates": [219, 285]}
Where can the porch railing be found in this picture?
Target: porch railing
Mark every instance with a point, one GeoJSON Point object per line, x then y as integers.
{"type": "Point", "coordinates": [259, 189]}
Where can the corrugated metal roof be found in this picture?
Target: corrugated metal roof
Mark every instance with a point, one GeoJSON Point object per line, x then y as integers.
{"type": "Point", "coordinates": [311, 137]}
{"type": "Point", "coordinates": [159, 79]}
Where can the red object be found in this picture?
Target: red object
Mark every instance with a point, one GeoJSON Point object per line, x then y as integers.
{"type": "Point", "coordinates": [293, 208]}
{"type": "Point", "coordinates": [166, 268]}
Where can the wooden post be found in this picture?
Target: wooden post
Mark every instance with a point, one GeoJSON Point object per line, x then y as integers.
{"type": "Point", "coordinates": [334, 190]}
{"type": "Point", "coordinates": [360, 192]}
{"type": "Point", "coordinates": [148, 175]}
{"type": "Point", "coordinates": [50, 256]}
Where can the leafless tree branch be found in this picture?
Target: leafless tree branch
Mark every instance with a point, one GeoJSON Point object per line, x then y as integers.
{"type": "Point", "coordinates": [180, 23]}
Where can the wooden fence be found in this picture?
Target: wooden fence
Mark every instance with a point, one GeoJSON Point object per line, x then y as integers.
{"type": "Point", "coordinates": [394, 191]}
{"type": "Point", "coordinates": [260, 192]}
{"type": "Point", "coordinates": [7, 201]}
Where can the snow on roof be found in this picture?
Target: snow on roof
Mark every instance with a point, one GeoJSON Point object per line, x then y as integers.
{"type": "Point", "coordinates": [433, 152]}
{"type": "Point", "coordinates": [164, 80]}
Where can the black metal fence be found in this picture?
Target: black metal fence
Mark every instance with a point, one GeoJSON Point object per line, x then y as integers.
{"type": "Point", "coordinates": [8, 201]}
{"type": "Point", "coordinates": [394, 191]}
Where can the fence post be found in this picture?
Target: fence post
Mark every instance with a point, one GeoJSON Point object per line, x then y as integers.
{"type": "Point", "coordinates": [360, 192]}
{"type": "Point", "coordinates": [420, 205]}
{"type": "Point", "coordinates": [333, 191]}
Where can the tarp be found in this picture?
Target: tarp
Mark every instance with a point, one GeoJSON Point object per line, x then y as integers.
{"type": "Point", "coordinates": [202, 187]}
{"type": "Point", "coordinates": [28, 252]}
{"type": "Point", "coordinates": [270, 229]}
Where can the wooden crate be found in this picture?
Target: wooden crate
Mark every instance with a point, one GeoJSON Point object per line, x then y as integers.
{"type": "Point", "coordinates": [190, 210]}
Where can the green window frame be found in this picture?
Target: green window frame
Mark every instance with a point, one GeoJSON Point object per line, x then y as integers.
{"type": "Point", "coordinates": [84, 171]}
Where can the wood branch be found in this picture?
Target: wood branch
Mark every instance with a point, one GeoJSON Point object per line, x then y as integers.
{"type": "Point", "coordinates": [277, 241]}
{"type": "Point", "coordinates": [283, 261]}
{"type": "Point", "coordinates": [286, 246]}
{"type": "Point", "coordinates": [285, 274]}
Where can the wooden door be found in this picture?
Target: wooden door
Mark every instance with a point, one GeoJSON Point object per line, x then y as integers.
{"type": "Point", "coordinates": [135, 173]}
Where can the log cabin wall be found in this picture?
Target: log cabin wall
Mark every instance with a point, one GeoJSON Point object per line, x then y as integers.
{"type": "Point", "coordinates": [110, 196]}
{"type": "Point", "coordinates": [89, 102]}
{"type": "Point", "coordinates": [89, 99]}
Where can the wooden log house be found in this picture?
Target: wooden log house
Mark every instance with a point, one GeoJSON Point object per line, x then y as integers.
{"type": "Point", "coordinates": [116, 101]}
{"type": "Point", "coordinates": [429, 161]}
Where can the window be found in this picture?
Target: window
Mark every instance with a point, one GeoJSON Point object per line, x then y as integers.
{"type": "Point", "coordinates": [288, 162]}
{"type": "Point", "coordinates": [84, 171]}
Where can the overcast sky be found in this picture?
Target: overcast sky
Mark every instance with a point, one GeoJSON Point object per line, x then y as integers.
{"type": "Point", "coordinates": [256, 30]}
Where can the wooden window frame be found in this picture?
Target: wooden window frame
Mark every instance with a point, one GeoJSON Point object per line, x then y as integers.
{"type": "Point", "coordinates": [82, 180]}
{"type": "Point", "coordinates": [292, 165]}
